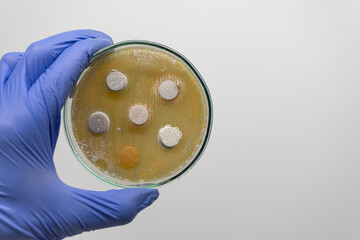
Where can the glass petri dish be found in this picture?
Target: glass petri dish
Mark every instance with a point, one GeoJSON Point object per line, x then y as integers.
{"type": "Point", "coordinates": [162, 146]}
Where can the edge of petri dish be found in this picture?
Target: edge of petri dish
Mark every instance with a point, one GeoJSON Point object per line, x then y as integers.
{"type": "Point", "coordinates": [67, 119]}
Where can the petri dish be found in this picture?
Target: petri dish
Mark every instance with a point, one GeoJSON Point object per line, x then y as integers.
{"type": "Point", "coordinates": [139, 116]}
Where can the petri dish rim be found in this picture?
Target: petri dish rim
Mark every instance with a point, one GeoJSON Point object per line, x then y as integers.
{"type": "Point", "coordinates": [110, 49]}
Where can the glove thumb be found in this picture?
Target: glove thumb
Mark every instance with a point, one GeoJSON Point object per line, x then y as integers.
{"type": "Point", "coordinates": [95, 210]}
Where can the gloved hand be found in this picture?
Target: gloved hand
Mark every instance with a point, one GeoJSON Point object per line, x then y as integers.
{"type": "Point", "coordinates": [34, 202]}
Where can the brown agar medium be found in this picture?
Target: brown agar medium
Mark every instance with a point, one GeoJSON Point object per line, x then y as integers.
{"type": "Point", "coordinates": [130, 153]}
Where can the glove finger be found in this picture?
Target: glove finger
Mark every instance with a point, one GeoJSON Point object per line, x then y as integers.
{"type": "Point", "coordinates": [53, 86]}
{"type": "Point", "coordinates": [11, 59]}
{"type": "Point", "coordinates": [40, 55]}
{"type": "Point", "coordinates": [60, 77]}
{"type": "Point", "coordinates": [7, 65]}
{"type": "Point", "coordinates": [96, 210]}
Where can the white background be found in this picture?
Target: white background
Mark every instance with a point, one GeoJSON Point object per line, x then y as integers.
{"type": "Point", "coordinates": [283, 159]}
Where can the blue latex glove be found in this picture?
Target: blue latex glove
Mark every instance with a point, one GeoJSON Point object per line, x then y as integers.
{"type": "Point", "coordinates": [34, 202]}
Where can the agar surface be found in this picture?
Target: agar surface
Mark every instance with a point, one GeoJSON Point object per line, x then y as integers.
{"type": "Point", "coordinates": [165, 91]}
